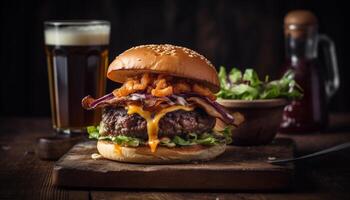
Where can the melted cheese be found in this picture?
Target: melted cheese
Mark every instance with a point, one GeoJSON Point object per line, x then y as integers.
{"type": "Point", "coordinates": [152, 122]}
{"type": "Point", "coordinates": [118, 149]}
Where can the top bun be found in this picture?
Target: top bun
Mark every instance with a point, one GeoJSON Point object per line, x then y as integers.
{"type": "Point", "coordinates": [165, 58]}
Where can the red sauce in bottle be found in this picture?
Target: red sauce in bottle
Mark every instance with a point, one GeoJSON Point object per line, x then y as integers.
{"type": "Point", "coordinates": [301, 39]}
{"type": "Point", "coordinates": [310, 113]}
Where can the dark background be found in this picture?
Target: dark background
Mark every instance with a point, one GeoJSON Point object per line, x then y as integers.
{"type": "Point", "coordinates": [231, 33]}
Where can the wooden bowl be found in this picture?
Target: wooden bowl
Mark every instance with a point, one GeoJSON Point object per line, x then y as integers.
{"type": "Point", "coordinates": [262, 120]}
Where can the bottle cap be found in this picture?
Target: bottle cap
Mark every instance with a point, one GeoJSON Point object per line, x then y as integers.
{"type": "Point", "coordinates": [298, 23]}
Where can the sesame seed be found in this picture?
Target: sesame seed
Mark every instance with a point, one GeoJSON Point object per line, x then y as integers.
{"type": "Point", "coordinates": [168, 49]}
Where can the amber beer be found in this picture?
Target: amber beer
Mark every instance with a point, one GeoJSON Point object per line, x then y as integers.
{"type": "Point", "coordinates": [77, 57]}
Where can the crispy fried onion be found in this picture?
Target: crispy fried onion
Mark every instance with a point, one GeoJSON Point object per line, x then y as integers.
{"type": "Point", "coordinates": [161, 86]}
{"type": "Point", "coordinates": [133, 85]}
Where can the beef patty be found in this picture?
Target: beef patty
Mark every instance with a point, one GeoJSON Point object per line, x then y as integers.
{"type": "Point", "coordinates": [116, 121]}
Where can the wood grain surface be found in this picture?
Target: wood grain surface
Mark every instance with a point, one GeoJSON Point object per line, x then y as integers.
{"type": "Point", "coordinates": [24, 176]}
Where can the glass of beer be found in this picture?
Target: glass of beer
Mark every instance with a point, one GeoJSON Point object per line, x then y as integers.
{"type": "Point", "coordinates": [77, 59]}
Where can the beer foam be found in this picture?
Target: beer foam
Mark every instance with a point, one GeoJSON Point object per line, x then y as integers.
{"type": "Point", "coordinates": [78, 36]}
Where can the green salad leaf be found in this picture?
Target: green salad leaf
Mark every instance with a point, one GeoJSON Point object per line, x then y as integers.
{"type": "Point", "coordinates": [244, 91]}
{"type": "Point", "coordinates": [181, 142]}
{"type": "Point", "coordinates": [223, 78]}
{"type": "Point", "coordinates": [251, 77]}
{"type": "Point", "coordinates": [93, 132]}
{"type": "Point", "coordinates": [248, 86]}
{"type": "Point", "coordinates": [165, 141]}
{"type": "Point", "coordinates": [207, 139]}
{"type": "Point", "coordinates": [227, 133]}
{"type": "Point", "coordinates": [235, 74]}
{"type": "Point", "coordinates": [190, 139]}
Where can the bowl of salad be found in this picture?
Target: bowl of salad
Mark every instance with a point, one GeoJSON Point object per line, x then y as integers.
{"type": "Point", "coordinates": [260, 102]}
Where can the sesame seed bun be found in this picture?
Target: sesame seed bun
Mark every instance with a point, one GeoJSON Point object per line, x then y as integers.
{"type": "Point", "coordinates": [165, 58]}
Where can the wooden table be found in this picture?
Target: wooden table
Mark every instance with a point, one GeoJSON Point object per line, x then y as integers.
{"type": "Point", "coordinates": [24, 176]}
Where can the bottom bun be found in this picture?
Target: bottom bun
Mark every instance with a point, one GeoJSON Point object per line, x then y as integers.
{"type": "Point", "coordinates": [163, 155]}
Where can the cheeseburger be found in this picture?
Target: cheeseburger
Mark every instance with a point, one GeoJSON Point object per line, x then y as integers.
{"type": "Point", "coordinates": [164, 112]}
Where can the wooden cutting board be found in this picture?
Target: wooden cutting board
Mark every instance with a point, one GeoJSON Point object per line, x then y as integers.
{"type": "Point", "coordinates": [239, 168]}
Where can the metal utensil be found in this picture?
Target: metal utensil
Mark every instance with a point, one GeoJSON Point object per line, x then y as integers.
{"type": "Point", "coordinates": [313, 155]}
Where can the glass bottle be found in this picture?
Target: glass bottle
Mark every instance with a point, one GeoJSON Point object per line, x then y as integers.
{"type": "Point", "coordinates": [319, 83]}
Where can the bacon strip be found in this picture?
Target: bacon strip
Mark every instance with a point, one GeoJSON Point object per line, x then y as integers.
{"type": "Point", "coordinates": [213, 110]}
{"type": "Point", "coordinates": [150, 103]}
{"type": "Point", "coordinates": [90, 103]}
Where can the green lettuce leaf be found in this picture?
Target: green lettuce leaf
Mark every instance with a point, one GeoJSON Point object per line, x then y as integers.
{"type": "Point", "coordinates": [246, 92]}
{"type": "Point", "coordinates": [223, 78]}
{"type": "Point", "coordinates": [125, 140]}
{"type": "Point", "coordinates": [207, 139]}
{"type": "Point", "coordinates": [181, 142]}
{"type": "Point", "coordinates": [93, 132]}
{"type": "Point", "coordinates": [190, 139]}
{"type": "Point", "coordinates": [165, 141]}
{"type": "Point", "coordinates": [252, 77]}
{"type": "Point", "coordinates": [235, 75]}
{"type": "Point", "coordinates": [250, 87]}
{"type": "Point", "coordinates": [227, 133]}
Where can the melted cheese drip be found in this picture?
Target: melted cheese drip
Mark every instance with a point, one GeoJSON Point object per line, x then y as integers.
{"type": "Point", "coordinates": [152, 123]}
{"type": "Point", "coordinates": [118, 149]}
